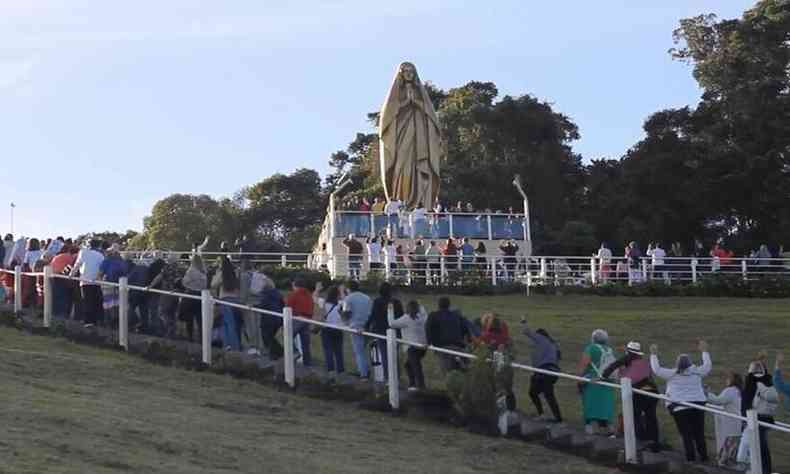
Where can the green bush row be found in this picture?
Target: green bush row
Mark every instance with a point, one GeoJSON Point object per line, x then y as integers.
{"type": "Point", "coordinates": [477, 284]}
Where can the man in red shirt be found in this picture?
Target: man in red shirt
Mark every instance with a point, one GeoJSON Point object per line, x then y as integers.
{"type": "Point", "coordinates": [62, 289]}
{"type": "Point", "coordinates": [300, 300]}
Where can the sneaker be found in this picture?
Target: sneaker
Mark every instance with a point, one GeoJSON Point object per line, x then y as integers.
{"type": "Point", "coordinates": [412, 389]}
{"type": "Point", "coordinates": [589, 430]}
{"type": "Point", "coordinates": [88, 325]}
{"type": "Point", "coordinates": [253, 351]}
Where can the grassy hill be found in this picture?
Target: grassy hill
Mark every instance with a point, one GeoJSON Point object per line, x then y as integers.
{"type": "Point", "coordinates": [75, 409]}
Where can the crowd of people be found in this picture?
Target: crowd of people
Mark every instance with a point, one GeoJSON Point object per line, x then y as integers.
{"type": "Point", "coordinates": [423, 259]}
{"type": "Point", "coordinates": [656, 263]}
{"type": "Point", "coordinates": [422, 222]}
{"type": "Point", "coordinates": [446, 327]}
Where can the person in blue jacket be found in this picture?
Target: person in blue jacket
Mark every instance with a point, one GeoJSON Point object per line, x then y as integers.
{"type": "Point", "coordinates": [780, 385]}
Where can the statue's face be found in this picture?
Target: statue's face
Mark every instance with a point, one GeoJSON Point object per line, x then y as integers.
{"type": "Point", "coordinates": [408, 72]}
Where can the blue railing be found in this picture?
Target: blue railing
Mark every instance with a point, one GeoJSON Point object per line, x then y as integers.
{"type": "Point", "coordinates": [434, 226]}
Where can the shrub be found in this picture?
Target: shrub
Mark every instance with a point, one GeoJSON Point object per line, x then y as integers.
{"type": "Point", "coordinates": [478, 284]}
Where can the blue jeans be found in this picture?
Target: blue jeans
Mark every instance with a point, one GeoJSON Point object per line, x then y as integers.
{"type": "Point", "coordinates": [61, 304]}
{"type": "Point", "coordinates": [358, 344]}
{"type": "Point", "coordinates": [230, 334]}
{"type": "Point", "coordinates": [332, 340]}
{"type": "Point", "coordinates": [302, 329]}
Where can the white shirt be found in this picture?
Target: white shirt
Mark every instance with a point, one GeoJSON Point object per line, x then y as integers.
{"type": "Point", "coordinates": [686, 386]}
{"type": "Point", "coordinates": [413, 329]}
{"type": "Point", "coordinates": [391, 252]}
{"type": "Point", "coordinates": [605, 255]}
{"type": "Point", "coordinates": [88, 263]}
{"type": "Point", "coordinates": [332, 313]}
{"type": "Point", "coordinates": [433, 254]}
{"type": "Point", "coordinates": [730, 400]}
{"type": "Point", "coordinates": [418, 214]}
{"type": "Point", "coordinates": [658, 256]}
{"type": "Point", "coordinates": [374, 252]}
{"type": "Point", "coordinates": [31, 257]}
{"type": "Point", "coordinates": [392, 207]}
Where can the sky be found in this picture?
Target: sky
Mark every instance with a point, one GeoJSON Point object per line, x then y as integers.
{"type": "Point", "coordinates": [107, 107]}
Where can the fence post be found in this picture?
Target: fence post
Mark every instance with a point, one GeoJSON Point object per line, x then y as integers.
{"type": "Point", "coordinates": [17, 289]}
{"type": "Point", "coordinates": [644, 270]}
{"type": "Point", "coordinates": [543, 270]}
{"type": "Point", "coordinates": [450, 219]}
{"type": "Point", "coordinates": [288, 346]}
{"type": "Point", "coordinates": [744, 270]}
{"type": "Point", "coordinates": [387, 267]}
{"type": "Point", "coordinates": [629, 432]}
{"type": "Point", "coordinates": [123, 312]}
{"type": "Point", "coordinates": [442, 269]}
{"type": "Point", "coordinates": [48, 296]}
{"type": "Point", "coordinates": [493, 270]}
{"type": "Point", "coordinates": [593, 272]}
{"type": "Point", "coordinates": [490, 233]}
{"type": "Point", "coordinates": [755, 454]}
{"type": "Point", "coordinates": [392, 367]}
{"type": "Point", "coordinates": [283, 261]}
{"type": "Point", "coordinates": [207, 322]}
{"type": "Point", "coordinates": [694, 270]}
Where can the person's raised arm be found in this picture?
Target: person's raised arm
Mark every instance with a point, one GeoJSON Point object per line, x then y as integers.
{"type": "Point", "coordinates": [76, 265]}
{"type": "Point", "coordinates": [526, 329]}
{"type": "Point", "coordinates": [725, 397]}
{"type": "Point", "coordinates": [397, 323]}
{"type": "Point", "coordinates": [655, 365]}
{"type": "Point", "coordinates": [707, 364]}
{"type": "Point", "coordinates": [614, 366]}
{"type": "Point", "coordinates": [779, 382]}
{"type": "Point", "coordinates": [317, 291]}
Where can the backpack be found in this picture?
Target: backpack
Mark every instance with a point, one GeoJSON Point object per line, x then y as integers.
{"type": "Point", "coordinates": [766, 400]}
{"type": "Point", "coordinates": [607, 359]}
{"type": "Point", "coordinates": [257, 282]}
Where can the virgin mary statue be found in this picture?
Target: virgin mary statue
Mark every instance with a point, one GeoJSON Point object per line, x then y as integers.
{"type": "Point", "coordinates": [411, 145]}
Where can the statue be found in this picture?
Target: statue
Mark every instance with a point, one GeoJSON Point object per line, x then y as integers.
{"type": "Point", "coordinates": [411, 144]}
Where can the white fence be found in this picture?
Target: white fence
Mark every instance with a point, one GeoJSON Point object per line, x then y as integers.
{"type": "Point", "coordinates": [544, 270]}
{"type": "Point", "coordinates": [207, 317]}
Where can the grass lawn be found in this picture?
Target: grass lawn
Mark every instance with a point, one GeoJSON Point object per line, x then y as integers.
{"type": "Point", "coordinates": [66, 408]}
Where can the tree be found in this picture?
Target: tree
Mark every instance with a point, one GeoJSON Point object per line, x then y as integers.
{"type": "Point", "coordinates": [112, 237]}
{"type": "Point", "coordinates": [743, 119]}
{"type": "Point", "coordinates": [281, 206]}
{"type": "Point", "coordinates": [179, 221]}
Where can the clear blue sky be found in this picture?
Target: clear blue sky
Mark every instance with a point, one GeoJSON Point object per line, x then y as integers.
{"type": "Point", "coordinates": [106, 107]}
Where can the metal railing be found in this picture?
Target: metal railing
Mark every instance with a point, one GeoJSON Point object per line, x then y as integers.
{"type": "Point", "coordinates": [208, 303]}
{"type": "Point", "coordinates": [407, 225]}
{"type": "Point", "coordinates": [545, 270]}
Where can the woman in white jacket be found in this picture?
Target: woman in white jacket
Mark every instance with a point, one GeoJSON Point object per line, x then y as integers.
{"type": "Point", "coordinates": [684, 384]}
{"type": "Point", "coordinates": [412, 326]}
{"type": "Point", "coordinates": [728, 430]}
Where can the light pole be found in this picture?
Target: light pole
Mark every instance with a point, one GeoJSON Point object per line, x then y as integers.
{"type": "Point", "coordinates": [13, 206]}
{"type": "Point", "coordinates": [527, 230]}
